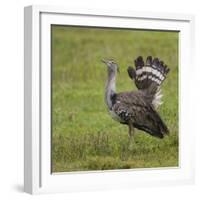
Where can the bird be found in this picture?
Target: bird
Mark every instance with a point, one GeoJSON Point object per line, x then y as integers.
{"type": "Point", "coordinates": [138, 108]}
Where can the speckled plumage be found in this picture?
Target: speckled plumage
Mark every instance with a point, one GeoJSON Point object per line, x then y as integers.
{"type": "Point", "coordinates": [137, 109]}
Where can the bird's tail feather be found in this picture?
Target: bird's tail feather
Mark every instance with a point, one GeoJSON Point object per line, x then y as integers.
{"type": "Point", "coordinates": [152, 73]}
{"type": "Point", "coordinates": [157, 98]}
{"type": "Point", "coordinates": [149, 76]}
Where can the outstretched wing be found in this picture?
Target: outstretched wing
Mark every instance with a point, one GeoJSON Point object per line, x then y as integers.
{"type": "Point", "coordinates": [132, 107]}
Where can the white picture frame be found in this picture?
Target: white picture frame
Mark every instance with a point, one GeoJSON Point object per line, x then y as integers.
{"type": "Point", "coordinates": [37, 138]}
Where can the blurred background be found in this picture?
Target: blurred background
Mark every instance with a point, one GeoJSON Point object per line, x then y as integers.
{"type": "Point", "coordinates": [84, 136]}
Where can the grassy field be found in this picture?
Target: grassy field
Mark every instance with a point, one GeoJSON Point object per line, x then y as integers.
{"type": "Point", "coordinates": [84, 136]}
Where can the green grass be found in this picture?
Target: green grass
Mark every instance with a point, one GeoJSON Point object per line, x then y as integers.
{"type": "Point", "coordinates": [84, 136]}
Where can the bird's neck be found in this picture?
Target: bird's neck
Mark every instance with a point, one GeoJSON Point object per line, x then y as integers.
{"type": "Point", "coordinates": [110, 89]}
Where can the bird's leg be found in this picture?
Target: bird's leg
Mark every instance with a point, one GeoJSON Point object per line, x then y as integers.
{"type": "Point", "coordinates": [131, 131]}
{"type": "Point", "coordinates": [131, 136]}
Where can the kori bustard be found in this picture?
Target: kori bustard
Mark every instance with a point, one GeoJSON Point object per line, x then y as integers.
{"type": "Point", "coordinates": [137, 109]}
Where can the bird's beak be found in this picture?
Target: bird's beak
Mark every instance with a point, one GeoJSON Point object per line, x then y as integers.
{"type": "Point", "coordinates": [104, 61]}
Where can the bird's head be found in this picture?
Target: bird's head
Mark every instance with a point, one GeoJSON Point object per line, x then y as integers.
{"type": "Point", "coordinates": [111, 64]}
